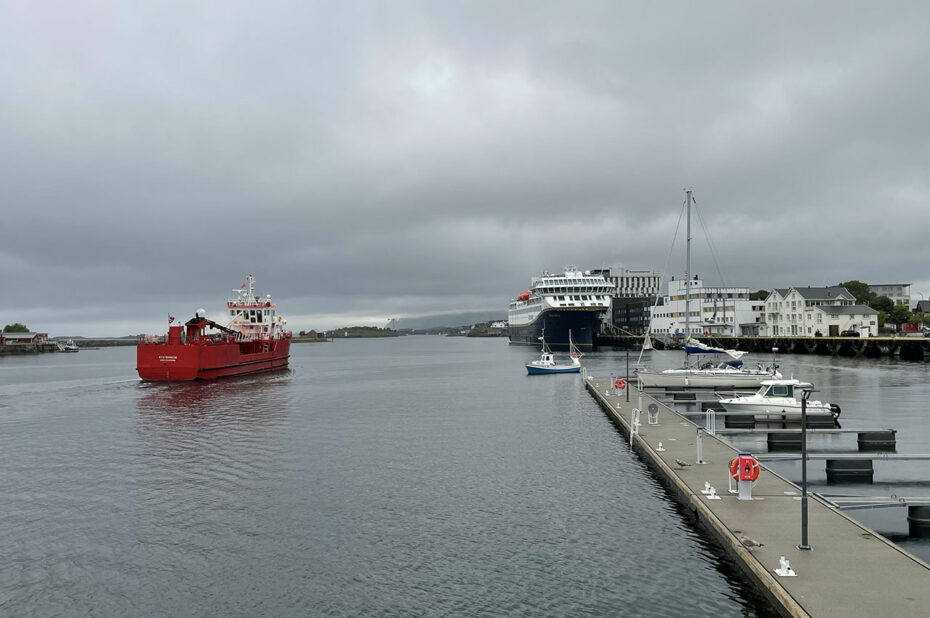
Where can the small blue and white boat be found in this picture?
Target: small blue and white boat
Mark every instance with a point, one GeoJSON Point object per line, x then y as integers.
{"type": "Point", "coordinates": [547, 364]}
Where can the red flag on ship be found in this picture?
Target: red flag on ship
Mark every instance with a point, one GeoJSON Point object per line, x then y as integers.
{"type": "Point", "coordinates": [242, 286]}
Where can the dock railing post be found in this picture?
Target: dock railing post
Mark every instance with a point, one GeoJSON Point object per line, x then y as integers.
{"type": "Point", "coordinates": [710, 421]}
{"type": "Point", "coordinates": [700, 446]}
{"type": "Point", "coordinates": [805, 395]}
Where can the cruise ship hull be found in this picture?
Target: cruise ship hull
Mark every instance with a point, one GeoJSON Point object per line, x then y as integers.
{"type": "Point", "coordinates": [582, 322]}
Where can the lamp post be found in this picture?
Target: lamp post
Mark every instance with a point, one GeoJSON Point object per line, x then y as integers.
{"type": "Point", "coordinates": [805, 395]}
{"type": "Point", "coordinates": [627, 389]}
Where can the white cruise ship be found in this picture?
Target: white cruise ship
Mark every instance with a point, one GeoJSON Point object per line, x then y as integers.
{"type": "Point", "coordinates": [571, 301]}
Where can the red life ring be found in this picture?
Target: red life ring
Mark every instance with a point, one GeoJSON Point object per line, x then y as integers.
{"type": "Point", "coordinates": [752, 468]}
{"type": "Point", "coordinates": [620, 384]}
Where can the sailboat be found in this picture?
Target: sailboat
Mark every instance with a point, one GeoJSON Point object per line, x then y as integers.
{"type": "Point", "coordinates": [547, 364]}
{"type": "Point", "coordinates": [699, 372]}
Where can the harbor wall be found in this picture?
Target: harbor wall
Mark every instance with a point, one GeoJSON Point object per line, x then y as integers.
{"type": "Point", "coordinates": [905, 348]}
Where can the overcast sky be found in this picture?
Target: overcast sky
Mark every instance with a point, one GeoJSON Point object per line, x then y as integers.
{"type": "Point", "coordinates": [374, 160]}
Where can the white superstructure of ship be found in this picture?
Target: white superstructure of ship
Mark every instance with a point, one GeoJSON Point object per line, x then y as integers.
{"type": "Point", "coordinates": [573, 301]}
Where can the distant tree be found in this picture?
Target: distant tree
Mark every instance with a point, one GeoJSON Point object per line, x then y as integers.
{"type": "Point", "coordinates": [860, 290]}
{"type": "Point", "coordinates": [15, 328]}
{"type": "Point", "coordinates": [882, 303]}
{"type": "Point", "coordinates": [302, 333]}
{"type": "Point", "coordinates": [899, 315]}
{"type": "Point", "coordinates": [759, 295]}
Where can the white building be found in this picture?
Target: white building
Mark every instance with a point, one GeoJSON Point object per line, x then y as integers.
{"type": "Point", "coordinates": [632, 283]}
{"type": "Point", "coordinates": [805, 312]}
{"type": "Point", "coordinates": [714, 310]}
{"type": "Point", "coordinates": [899, 293]}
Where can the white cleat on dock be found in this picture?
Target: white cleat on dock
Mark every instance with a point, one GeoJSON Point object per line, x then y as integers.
{"type": "Point", "coordinates": [785, 569]}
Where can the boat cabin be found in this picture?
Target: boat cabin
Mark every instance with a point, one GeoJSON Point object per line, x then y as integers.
{"type": "Point", "coordinates": [782, 389]}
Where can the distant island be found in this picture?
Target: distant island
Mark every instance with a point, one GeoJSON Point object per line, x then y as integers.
{"type": "Point", "coordinates": [349, 332]}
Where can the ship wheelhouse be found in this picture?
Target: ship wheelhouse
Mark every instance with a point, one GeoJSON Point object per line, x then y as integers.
{"type": "Point", "coordinates": [254, 317]}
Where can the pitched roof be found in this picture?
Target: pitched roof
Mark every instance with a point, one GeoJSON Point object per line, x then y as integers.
{"type": "Point", "coordinates": [847, 310]}
{"type": "Point", "coordinates": [20, 335]}
{"type": "Point", "coordinates": [836, 291]}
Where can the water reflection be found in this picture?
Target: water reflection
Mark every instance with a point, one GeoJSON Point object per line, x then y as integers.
{"type": "Point", "coordinates": [252, 400]}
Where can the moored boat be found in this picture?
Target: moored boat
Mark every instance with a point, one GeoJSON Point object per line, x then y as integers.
{"type": "Point", "coordinates": [702, 373]}
{"type": "Point", "coordinates": [254, 340]}
{"type": "Point", "coordinates": [547, 364]}
{"type": "Point", "coordinates": [779, 400]}
{"type": "Point", "coordinates": [68, 346]}
{"type": "Point", "coordinates": [698, 372]}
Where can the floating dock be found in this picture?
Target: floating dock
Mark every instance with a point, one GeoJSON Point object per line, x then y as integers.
{"type": "Point", "coordinates": [850, 570]}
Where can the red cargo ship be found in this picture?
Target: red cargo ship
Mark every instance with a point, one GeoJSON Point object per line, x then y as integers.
{"type": "Point", "coordinates": [253, 341]}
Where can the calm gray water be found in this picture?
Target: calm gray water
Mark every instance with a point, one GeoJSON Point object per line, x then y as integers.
{"type": "Point", "coordinates": [419, 476]}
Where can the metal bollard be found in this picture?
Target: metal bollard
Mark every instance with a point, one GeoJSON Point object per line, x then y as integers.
{"type": "Point", "coordinates": [700, 446]}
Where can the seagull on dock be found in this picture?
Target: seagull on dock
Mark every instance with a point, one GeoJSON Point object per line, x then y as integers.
{"type": "Point", "coordinates": [748, 543]}
{"type": "Point", "coordinates": [683, 464]}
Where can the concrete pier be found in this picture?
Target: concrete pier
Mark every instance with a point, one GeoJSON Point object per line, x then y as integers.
{"type": "Point", "coordinates": [851, 570]}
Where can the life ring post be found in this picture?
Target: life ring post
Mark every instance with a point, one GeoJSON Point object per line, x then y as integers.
{"type": "Point", "coordinates": [745, 471]}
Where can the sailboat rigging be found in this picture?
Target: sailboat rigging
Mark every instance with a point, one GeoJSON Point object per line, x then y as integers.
{"type": "Point", "coordinates": [699, 373]}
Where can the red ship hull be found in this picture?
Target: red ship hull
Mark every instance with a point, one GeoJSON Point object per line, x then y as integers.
{"type": "Point", "coordinates": [207, 360]}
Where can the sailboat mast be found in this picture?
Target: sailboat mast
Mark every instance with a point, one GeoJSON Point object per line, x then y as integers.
{"type": "Point", "coordinates": [688, 272]}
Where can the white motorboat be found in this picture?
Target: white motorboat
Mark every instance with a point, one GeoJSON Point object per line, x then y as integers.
{"type": "Point", "coordinates": [780, 400]}
{"type": "Point", "coordinates": [68, 346]}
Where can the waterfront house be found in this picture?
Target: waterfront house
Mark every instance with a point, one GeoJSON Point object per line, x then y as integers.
{"type": "Point", "coordinates": [23, 338]}
{"type": "Point", "coordinates": [805, 311]}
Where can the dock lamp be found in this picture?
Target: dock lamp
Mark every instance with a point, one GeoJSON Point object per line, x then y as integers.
{"type": "Point", "coordinates": [805, 395]}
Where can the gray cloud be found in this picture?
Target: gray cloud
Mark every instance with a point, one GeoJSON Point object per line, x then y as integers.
{"type": "Point", "coordinates": [366, 159]}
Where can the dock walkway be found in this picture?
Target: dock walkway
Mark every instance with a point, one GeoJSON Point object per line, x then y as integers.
{"type": "Point", "coordinates": [851, 571]}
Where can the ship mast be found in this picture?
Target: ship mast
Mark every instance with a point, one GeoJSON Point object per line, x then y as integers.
{"type": "Point", "coordinates": [688, 272]}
